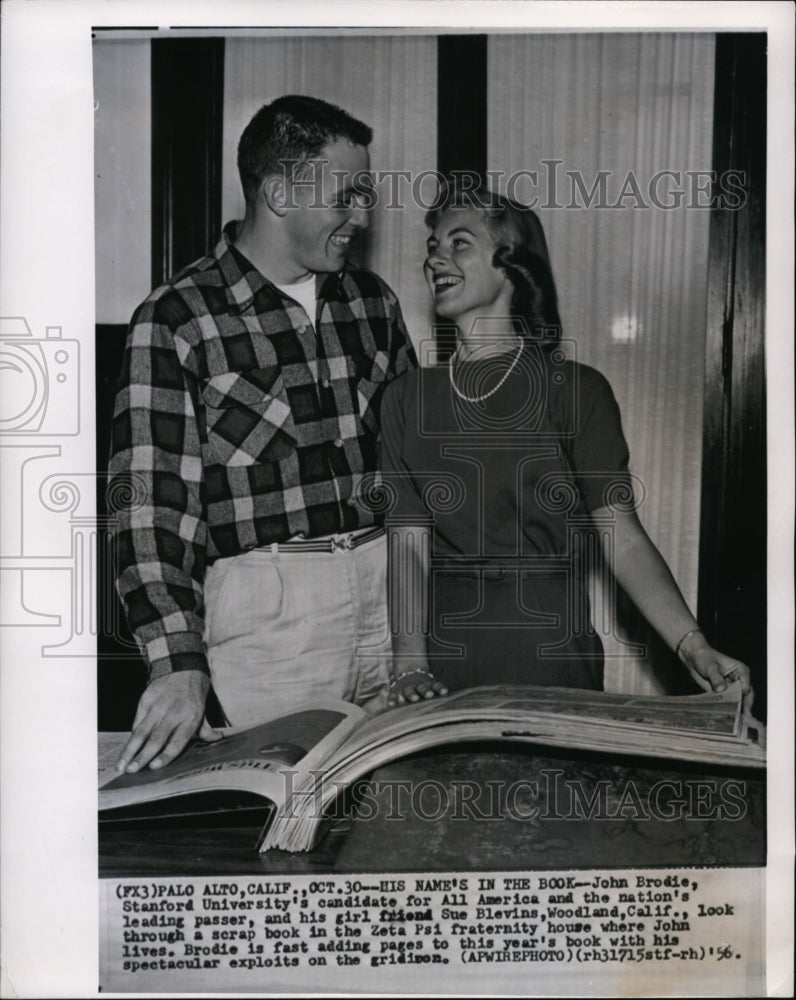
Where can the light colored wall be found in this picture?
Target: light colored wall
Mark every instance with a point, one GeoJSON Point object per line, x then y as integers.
{"type": "Point", "coordinates": [632, 280]}
{"type": "Point", "coordinates": [123, 185]}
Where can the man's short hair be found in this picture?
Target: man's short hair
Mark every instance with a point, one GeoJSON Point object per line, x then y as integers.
{"type": "Point", "coordinates": [292, 129]}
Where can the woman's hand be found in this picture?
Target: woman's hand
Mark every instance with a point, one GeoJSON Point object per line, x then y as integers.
{"type": "Point", "coordinates": [642, 572]}
{"type": "Point", "coordinates": [713, 671]}
{"type": "Point", "coordinates": [414, 685]}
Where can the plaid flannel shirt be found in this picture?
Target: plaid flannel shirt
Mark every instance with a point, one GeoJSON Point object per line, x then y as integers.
{"type": "Point", "coordinates": [238, 424]}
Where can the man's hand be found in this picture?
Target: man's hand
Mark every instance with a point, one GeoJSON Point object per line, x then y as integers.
{"type": "Point", "coordinates": [170, 713]}
{"type": "Point", "coordinates": [713, 671]}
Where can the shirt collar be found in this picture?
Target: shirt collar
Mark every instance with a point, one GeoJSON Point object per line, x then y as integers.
{"type": "Point", "coordinates": [244, 281]}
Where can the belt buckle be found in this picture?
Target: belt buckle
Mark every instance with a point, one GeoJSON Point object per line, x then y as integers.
{"type": "Point", "coordinates": [342, 544]}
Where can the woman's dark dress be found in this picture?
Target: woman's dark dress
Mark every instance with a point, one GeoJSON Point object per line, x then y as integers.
{"type": "Point", "coordinates": [509, 484]}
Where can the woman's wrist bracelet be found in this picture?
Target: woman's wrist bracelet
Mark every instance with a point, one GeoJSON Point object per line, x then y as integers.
{"type": "Point", "coordinates": [694, 631]}
{"type": "Point", "coordinates": [409, 673]}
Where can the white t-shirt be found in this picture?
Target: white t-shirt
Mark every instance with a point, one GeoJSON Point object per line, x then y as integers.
{"type": "Point", "coordinates": [304, 293]}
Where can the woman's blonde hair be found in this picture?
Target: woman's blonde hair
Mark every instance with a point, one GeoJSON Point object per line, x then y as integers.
{"type": "Point", "coordinates": [520, 252]}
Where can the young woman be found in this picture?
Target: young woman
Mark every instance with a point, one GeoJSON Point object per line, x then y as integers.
{"type": "Point", "coordinates": [508, 470]}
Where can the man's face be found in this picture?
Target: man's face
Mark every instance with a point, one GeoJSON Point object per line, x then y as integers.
{"type": "Point", "coordinates": [328, 209]}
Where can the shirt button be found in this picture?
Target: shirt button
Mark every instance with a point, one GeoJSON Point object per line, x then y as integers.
{"type": "Point", "coordinates": [338, 442]}
{"type": "Point", "coordinates": [302, 329]}
{"type": "Point", "coordinates": [326, 383]}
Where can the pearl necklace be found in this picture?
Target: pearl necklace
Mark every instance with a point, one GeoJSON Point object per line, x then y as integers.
{"type": "Point", "coordinates": [492, 391]}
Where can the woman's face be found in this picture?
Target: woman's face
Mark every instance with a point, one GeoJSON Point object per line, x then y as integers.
{"type": "Point", "coordinates": [459, 271]}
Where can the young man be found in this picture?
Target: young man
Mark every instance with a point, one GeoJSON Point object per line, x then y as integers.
{"type": "Point", "coordinates": [246, 415]}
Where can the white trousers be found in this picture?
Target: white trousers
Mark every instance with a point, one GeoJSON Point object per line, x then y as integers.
{"type": "Point", "coordinates": [286, 629]}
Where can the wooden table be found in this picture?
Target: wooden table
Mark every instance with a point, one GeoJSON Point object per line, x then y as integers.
{"type": "Point", "coordinates": [475, 807]}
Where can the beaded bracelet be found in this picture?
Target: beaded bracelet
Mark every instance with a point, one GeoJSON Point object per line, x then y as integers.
{"type": "Point", "coordinates": [694, 631]}
{"type": "Point", "coordinates": [409, 673]}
